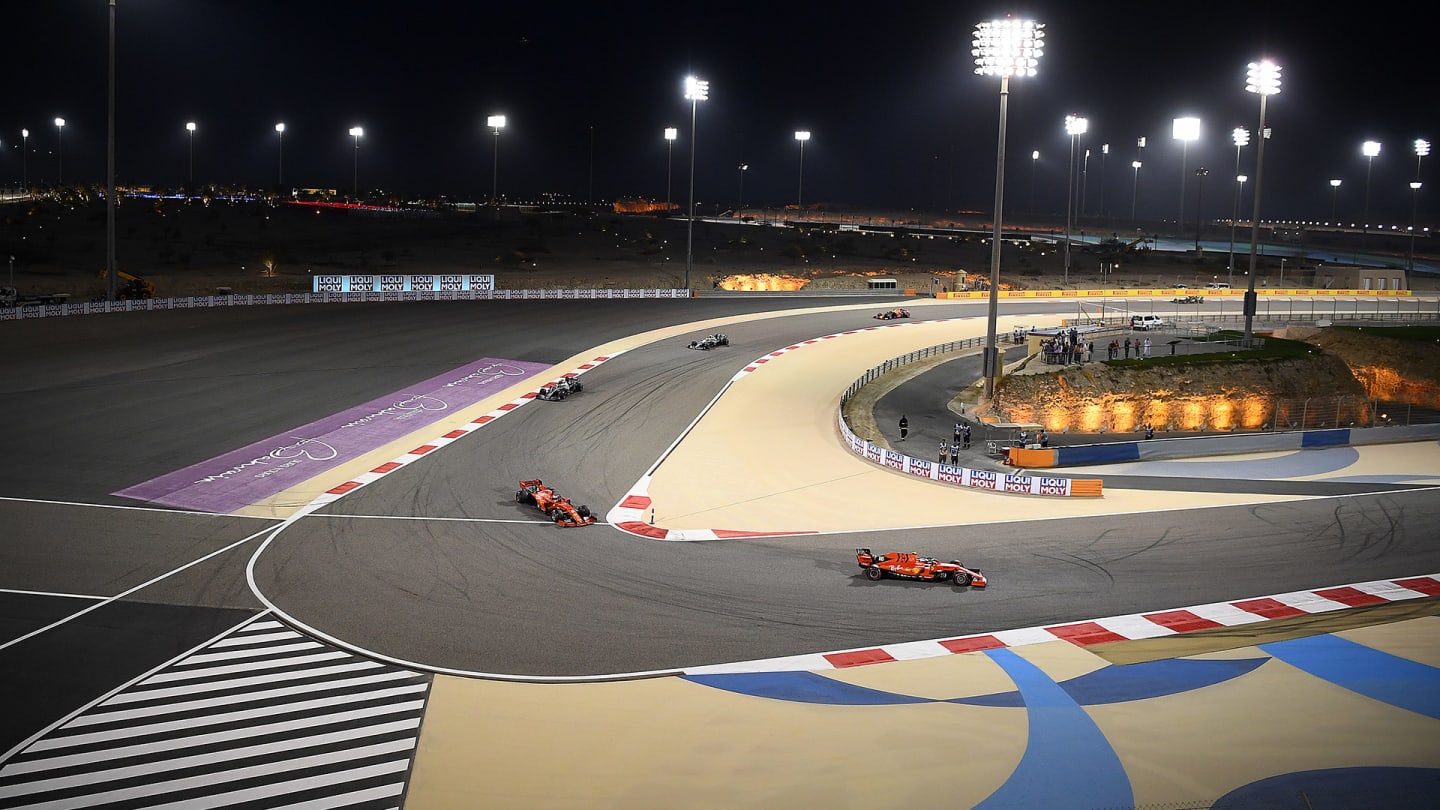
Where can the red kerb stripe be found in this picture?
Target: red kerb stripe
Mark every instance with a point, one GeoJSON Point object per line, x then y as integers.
{"type": "Point", "coordinates": [858, 658]}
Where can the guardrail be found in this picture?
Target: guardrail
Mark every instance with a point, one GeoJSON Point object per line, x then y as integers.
{"type": "Point", "coordinates": [1015, 483]}
{"type": "Point", "coordinates": [213, 301]}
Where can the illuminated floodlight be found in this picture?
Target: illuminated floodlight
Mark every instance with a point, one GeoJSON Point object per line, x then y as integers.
{"type": "Point", "coordinates": [671, 133]}
{"type": "Point", "coordinates": [496, 122]}
{"type": "Point", "coordinates": [1241, 136]}
{"type": "Point", "coordinates": [1263, 77]}
{"type": "Point", "coordinates": [1075, 125]}
{"type": "Point", "coordinates": [802, 135]}
{"type": "Point", "coordinates": [280, 127]}
{"type": "Point", "coordinates": [1370, 148]}
{"type": "Point", "coordinates": [1008, 47]}
{"type": "Point", "coordinates": [1422, 147]}
{"type": "Point", "coordinates": [1135, 164]}
{"type": "Point", "coordinates": [190, 126]}
{"type": "Point", "coordinates": [696, 89]}
{"type": "Point", "coordinates": [1186, 129]}
{"type": "Point", "coordinates": [59, 122]}
{"type": "Point", "coordinates": [1335, 183]}
{"type": "Point", "coordinates": [356, 132]}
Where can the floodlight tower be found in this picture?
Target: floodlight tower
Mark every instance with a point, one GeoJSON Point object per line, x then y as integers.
{"type": "Point", "coordinates": [1369, 149]}
{"type": "Point", "coordinates": [1334, 192]}
{"type": "Point", "coordinates": [801, 136]}
{"type": "Point", "coordinates": [357, 133]}
{"type": "Point", "coordinates": [1414, 201]}
{"type": "Point", "coordinates": [59, 151]}
{"type": "Point", "coordinates": [1263, 79]}
{"type": "Point", "coordinates": [497, 123]}
{"type": "Point", "coordinates": [1075, 126]}
{"type": "Point", "coordinates": [1184, 130]}
{"type": "Point", "coordinates": [671, 133]}
{"type": "Point", "coordinates": [1241, 137]}
{"type": "Point", "coordinates": [280, 156]}
{"type": "Point", "coordinates": [696, 91]}
{"type": "Point", "coordinates": [1003, 48]}
{"type": "Point", "coordinates": [1134, 187]}
{"type": "Point", "coordinates": [190, 131]}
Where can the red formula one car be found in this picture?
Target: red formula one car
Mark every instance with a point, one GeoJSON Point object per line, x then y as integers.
{"type": "Point", "coordinates": [557, 508]}
{"type": "Point", "coordinates": [909, 565]}
{"type": "Point", "coordinates": [892, 314]}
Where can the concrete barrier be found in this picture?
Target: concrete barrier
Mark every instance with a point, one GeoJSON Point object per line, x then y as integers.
{"type": "Point", "coordinates": [1231, 444]}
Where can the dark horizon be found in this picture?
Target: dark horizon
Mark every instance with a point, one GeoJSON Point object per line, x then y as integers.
{"type": "Point", "coordinates": [898, 118]}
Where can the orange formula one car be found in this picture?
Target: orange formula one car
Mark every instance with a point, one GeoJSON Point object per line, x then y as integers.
{"type": "Point", "coordinates": [557, 508]}
{"type": "Point", "coordinates": [909, 565]}
{"type": "Point", "coordinates": [892, 314]}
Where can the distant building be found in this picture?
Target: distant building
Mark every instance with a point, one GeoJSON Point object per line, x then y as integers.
{"type": "Point", "coordinates": [1353, 277]}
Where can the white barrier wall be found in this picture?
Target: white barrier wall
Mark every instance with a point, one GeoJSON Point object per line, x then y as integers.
{"type": "Point", "coordinates": [207, 301]}
{"type": "Point", "coordinates": [392, 282]}
{"type": "Point", "coordinates": [958, 476]}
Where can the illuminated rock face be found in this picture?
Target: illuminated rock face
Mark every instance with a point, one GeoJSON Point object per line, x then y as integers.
{"type": "Point", "coordinates": [1317, 392]}
{"type": "Point", "coordinates": [763, 282]}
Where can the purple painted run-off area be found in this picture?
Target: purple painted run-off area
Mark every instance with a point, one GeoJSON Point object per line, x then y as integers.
{"type": "Point", "coordinates": [258, 471]}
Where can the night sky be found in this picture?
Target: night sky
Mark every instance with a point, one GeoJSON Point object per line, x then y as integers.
{"type": "Point", "coordinates": [898, 118]}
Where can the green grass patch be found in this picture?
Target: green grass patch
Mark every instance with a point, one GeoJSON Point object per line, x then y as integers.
{"type": "Point", "coordinates": [1274, 350]}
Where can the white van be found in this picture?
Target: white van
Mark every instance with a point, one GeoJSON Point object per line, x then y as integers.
{"type": "Point", "coordinates": [1144, 322]}
{"type": "Point", "coordinates": [1217, 285]}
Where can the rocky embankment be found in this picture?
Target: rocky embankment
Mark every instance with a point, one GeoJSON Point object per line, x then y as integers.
{"type": "Point", "coordinates": [1333, 385]}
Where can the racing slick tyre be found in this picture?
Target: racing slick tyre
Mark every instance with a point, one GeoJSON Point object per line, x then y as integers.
{"type": "Point", "coordinates": [873, 573]}
{"type": "Point", "coordinates": [961, 578]}
{"type": "Point", "coordinates": [523, 496]}
{"type": "Point", "coordinates": [557, 515]}
{"type": "Point", "coordinates": [584, 511]}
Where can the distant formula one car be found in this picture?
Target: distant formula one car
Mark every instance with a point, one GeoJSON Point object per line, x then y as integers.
{"type": "Point", "coordinates": [561, 388]}
{"type": "Point", "coordinates": [557, 508]}
{"type": "Point", "coordinates": [709, 342]}
{"type": "Point", "coordinates": [909, 565]}
{"type": "Point", "coordinates": [892, 314]}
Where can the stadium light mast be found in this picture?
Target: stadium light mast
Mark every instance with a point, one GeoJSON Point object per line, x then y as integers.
{"type": "Point", "coordinates": [357, 133]}
{"type": "Point", "coordinates": [696, 91]}
{"type": "Point", "coordinates": [1003, 48]}
{"type": "Point", "coordinates": [801, 136]}
{"type": "Point", "coordinates": [1263, 79]}
{"type": "Point", "coordinates": [497, 123]}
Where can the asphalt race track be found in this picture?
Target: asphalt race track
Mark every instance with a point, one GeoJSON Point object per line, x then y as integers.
{"type": "Point", "coordinates": [435, 567]}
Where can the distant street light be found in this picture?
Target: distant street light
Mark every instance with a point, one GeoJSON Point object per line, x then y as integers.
{"type": "Point", "coordinates": [740, 202]}
{"type": "Point", "coordinates": [1084, 180]}
{"type": "Point", "coordinates": [497, 123]}
{"type": "Point", "coordinates": [356, 133]}
{"type": "Point", "coordinates": [1240, 136]}
{"type": "Point", "coordinates": [1034, 157]}
{"type": "Point", "coordinates": [802, 136]}
{"type": "Point", "coordinates": [696, 91]}
{"type": "Point", "coordinates": [1075, 126]}
{"type": "Point", "coordinates": [1139, 158]}
{"type": "Point", "coordinates": [1134, 187]}
{"type": "Point", "coordinates": [1334, 191]}
{"type": "Point", "coordinates": [190, 130]}
{"type": "Point", "coordinates": [280, 157]}
{"type": "Point", "coordinates": [1200, 174]}
{"type": "Point", "coordinates": [1104, 152]}
{"type": "Point", "coordinates": [1263, 79]}
{"type": "Point", "coordinates": [1003, 48]}
{"type": "Point", "coordinates": [1234, 215]}
{"type": "Point", "coordinates": [1369, 149]}
{"type": "Point", "coordinates": [1184, 130]}
{"type": "Point", "coordinates": [1414, 200]}
{"type": "Point", "coordinates": [59, 151]}
{"type": "Point", "coordinates": [671, 133]}
{"type": "Point", "coordinates": [25, 160]}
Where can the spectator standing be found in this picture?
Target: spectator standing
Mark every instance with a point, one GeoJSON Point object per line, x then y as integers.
{"type": "Point", "coordinates": [1147, 348]}
{"type": "Point", "coordinates": [942, 451]}
{"type": "Point", "coordinates": [955, 453]}
{"type": "Point", "coordinates": [1127, 348]}
{"type": "Point", "coordinates": [904, 427]}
